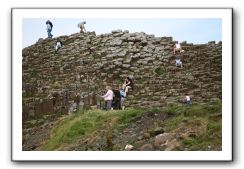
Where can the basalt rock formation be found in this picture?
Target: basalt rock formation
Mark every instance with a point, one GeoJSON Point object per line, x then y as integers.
{"type": "Point", "coordinates": [87, 62]}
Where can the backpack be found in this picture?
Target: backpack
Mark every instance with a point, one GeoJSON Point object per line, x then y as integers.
{"type": "Point", "coordinates": [51, 24]}
{"type": "Point", "coordinates": [122, 93]}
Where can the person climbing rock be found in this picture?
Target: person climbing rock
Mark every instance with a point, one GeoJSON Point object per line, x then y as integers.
{"type": "Point", "coordinates": [49, 29]}
{"type": "Point", "coordinates": [122, 98]}
{"type": "Point", "coordinates": [178, 62]}
{"type": "Point", "coordinates": [59, 44]}
{"type": "Point", "coordinates": [108, 97]}
{"type": "Point", "coordinates": [128, 84]}
{"type": "Point", "coordinates": [177, 47]}
{"type": "Point", "coordinates": [81, 25]}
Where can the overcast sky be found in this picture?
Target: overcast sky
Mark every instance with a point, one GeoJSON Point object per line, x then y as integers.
{"type": "Point", "coordinates": [197, 31]}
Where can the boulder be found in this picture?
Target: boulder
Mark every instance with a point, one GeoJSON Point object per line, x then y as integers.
{"type": "Point", "coordinates": [163, 138]}
{"type": "Point", "coordinates": [147, 147]}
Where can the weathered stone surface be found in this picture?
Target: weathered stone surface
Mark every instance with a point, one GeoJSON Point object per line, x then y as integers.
{"type": "Point", "coordinates": [88, 62]}
{"type": "Point", "coordinates": [163, 138]}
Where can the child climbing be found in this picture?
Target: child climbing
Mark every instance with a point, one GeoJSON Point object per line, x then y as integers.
{"type": "Point", "coordinates": [178, 62]}
{"type": "Point", "coordinates": [128, 84]}
{"type": "Point", "coordinates": [49, 29]}
{"type": "Point", "coordinates": [81, 25]}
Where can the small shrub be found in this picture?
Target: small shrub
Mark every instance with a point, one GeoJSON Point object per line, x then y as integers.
{"type": "Point", "coordinates": [159, 71]}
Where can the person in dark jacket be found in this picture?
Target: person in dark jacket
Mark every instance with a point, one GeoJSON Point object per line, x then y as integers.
{"type": "Point", "coordinates": [49, 29]}
{"type": "Point", "coordinates": [128, 84]}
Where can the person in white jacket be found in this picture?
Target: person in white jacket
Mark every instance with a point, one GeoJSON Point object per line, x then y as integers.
{"type": "Point", "coordinates": [108, 97]}
{"type": "Point", "coordinates": [81, 25]}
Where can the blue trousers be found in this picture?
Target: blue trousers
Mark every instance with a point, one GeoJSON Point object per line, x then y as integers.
{"type": "Point", "coordinates": [49, 33]}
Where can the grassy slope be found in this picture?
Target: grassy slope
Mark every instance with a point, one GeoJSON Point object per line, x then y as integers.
{"type": "Point", "coordinates": [70, 129]}
{"type": "Point", "coordinates": [203, 120]}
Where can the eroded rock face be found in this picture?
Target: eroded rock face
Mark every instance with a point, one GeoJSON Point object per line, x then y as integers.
{"type": "Point", "coordinates": [86, 63]}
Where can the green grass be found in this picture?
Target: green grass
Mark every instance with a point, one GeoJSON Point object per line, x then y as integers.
{"type": "Point", "coordinates": [197, 117]}
{"type": "Point", "coordinates": [71, 128]}
{"type": "Point", "coordinates": [173, 109]}
{"type": "Point", "coordinates": [204, 119]}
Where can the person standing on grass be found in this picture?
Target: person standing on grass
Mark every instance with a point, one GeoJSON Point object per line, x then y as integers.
{"type": "Point", "coordinates": [122, 99]}
{"type": "Point", "coordinates": [108, 97]}
{"type": "Point", "coordinates": [77, 100]}
{"type": "Point", "coordinates": [188, 101]}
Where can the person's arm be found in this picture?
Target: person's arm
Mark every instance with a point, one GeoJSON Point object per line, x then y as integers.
{"type": "Point", "coordinates": [129, 82]}
{"type": "Point", "coordinates": [106, 95]}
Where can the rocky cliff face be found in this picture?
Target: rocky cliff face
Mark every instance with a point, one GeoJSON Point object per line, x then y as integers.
{"type": "Point", "coordinates": [87, 63]}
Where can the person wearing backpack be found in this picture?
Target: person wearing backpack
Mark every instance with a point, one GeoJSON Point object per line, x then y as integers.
{"type": "Point", "coordinates": [49, 29]}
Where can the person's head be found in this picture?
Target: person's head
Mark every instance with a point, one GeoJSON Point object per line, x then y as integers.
{"type": "Point", "coordinates": [48, 20]}
{"type": "Point", "coordinates": [84, 22]}
{"type": "Point", "coordinates": [108, 87]}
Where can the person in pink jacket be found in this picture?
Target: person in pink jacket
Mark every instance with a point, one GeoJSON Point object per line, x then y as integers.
{"type": "Point", "coordinates": [108, 97]}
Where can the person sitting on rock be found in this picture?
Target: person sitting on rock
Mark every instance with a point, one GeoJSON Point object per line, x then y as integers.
{"type": "Point", "coordinates": [59, 44]}
{"type": "Point", "coordinates": [178, 62]}
{"type": "Point", "coordinates": [108, 97]}
{"type": "Point", "coordinates": [122, 98]}
{"type": "Point", "coordinates": [81, 25]}
{"type": "Point", "coordinates": [49, 29]}
{"type": "Point", "coordinates": [177, 47]}
{"type": "Point", "coordinates": [128, 84]}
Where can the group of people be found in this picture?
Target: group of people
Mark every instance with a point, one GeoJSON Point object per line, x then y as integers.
{"type": "Point", "coordinates": [177, 48]}
{"type": "Point", "coordinates": [128, 84]}
{"type": "Point", "coordinates": [109, 96]}
{"type": "Point", "coordinates": [59, 43]}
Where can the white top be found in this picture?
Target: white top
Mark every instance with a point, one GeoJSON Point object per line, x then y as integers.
{"type": "Point", "coordinates": [59, 44]}
{"type": "Point", "coordinates": [81, 24]}
{"type": "Point", "coordinates": [109, 95]}
{"type": "Point", "coordinates": [188, 98]}
{"type": "Point", "coordinates": [178, 61]}
{"type": "Point", "coordinates": [177, 45]}
{"type": "Point", "coordinates": [49, 27]}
